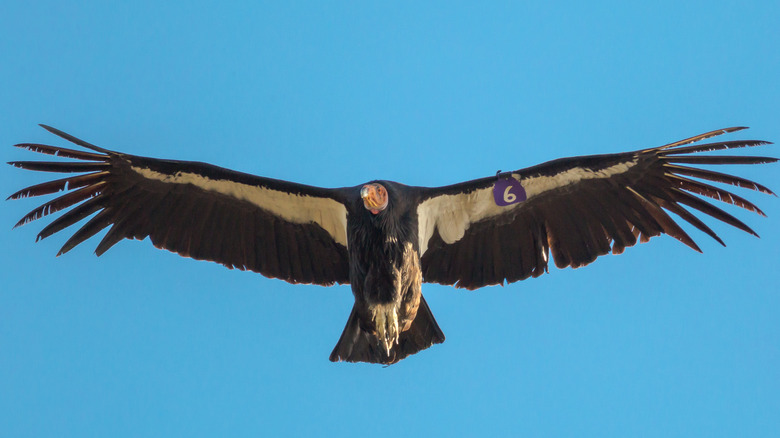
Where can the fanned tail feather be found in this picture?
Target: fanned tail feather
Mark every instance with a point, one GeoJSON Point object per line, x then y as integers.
{"type": "Point", "coordinates": [357, 345]}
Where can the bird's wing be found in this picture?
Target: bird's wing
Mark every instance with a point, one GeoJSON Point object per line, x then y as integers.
{"type": "Point", "coordinates": [503, 228]}
{"type": "Point", "coordinates": [280, 229]}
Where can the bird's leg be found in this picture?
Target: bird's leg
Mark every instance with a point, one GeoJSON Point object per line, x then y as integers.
{"type": "Point", "coordinates": [386, 322]}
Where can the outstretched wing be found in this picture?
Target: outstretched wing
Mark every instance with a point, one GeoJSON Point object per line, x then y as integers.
{"type": "Point", "coordinates": [504, 228]}
{"type": "Point", "coordinates": [280, 229]}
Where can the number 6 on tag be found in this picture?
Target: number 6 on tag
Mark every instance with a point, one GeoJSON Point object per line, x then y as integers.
{"type": "Point", "coordinates": [508, 191]}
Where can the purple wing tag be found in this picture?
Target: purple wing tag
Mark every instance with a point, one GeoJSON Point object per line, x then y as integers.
{"type": "Point", "coordinates": [508, 191]}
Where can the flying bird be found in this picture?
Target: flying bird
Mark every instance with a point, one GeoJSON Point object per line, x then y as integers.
{"type": "Point", "coordinates": [385, 238]}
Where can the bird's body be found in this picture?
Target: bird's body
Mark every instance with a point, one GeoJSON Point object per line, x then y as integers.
{"type": "Point", "coordinates": [385, 238]}
{"type": "Point", "coordinates": [386, 280]}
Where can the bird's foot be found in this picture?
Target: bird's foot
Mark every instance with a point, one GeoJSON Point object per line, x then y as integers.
{"type": "Point", "coordinates": [386, 323]}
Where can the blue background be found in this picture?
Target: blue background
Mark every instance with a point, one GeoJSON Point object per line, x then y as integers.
{"type": "Point", "coordinates": [660, 341]}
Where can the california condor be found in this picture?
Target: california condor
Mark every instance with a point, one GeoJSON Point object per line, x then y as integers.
{"type": "Point", "coordinates": [385, 238]}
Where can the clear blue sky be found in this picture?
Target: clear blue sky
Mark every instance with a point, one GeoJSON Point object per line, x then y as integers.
{"type": "Point", "coordinates": [660, 341]}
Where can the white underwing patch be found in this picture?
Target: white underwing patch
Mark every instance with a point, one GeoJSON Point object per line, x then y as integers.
{"type": "Point", "coordinates": [329, 214]}
{"type": "Point", "coordinates": [537, 185]}
{"type": "Point", "coordinates": [452, 215]}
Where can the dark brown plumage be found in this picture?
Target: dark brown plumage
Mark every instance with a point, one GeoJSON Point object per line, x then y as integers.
{"type": "Point", "coordinates": [385, 238]}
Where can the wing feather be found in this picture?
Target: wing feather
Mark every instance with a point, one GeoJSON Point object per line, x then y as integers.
{"type": "Point", "coordinates": [715, 193]}
{"type": "Point", "coordinates": [61, 152]}
{"type": "Point", "coordinates": [277, 228]}
{"type": "Point", "coordinates": [683, 197]}
{"type": "Point", "coordinates": [92, 227]}
{"type": "Point", "coordinates": [64, 201]}
{"type": "Point", "coordinates": [577, 209]}
{"type": "Point", "coordinates": [717, 177]}
{"type": "Point", "coordinates": [70, 217]}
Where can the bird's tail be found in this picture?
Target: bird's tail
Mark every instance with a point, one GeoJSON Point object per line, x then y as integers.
{"type": "Point", "coordinates": [358, 345]}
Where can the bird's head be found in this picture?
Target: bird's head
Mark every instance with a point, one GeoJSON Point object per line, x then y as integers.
{"type": "Point", "coordinates": [374, 197]}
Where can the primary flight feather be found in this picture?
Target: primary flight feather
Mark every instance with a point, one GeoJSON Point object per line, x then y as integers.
{"type": "Point", "coordinates": [385, 238]}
